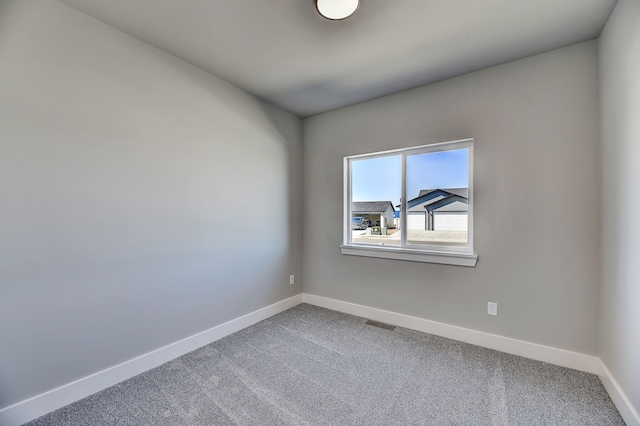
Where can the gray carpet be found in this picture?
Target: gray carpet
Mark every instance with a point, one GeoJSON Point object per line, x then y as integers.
{"type": "Point", "coordinates": [313, 366]}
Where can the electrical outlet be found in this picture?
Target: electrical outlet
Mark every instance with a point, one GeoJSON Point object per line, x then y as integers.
{"type": "Point", "coordinates": [492, 308]}
{"type": "Point", "coordinates": [292, 279]}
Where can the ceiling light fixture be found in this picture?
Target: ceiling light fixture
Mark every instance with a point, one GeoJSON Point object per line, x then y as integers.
{"type": "Point", "coordinates": [336, 10]}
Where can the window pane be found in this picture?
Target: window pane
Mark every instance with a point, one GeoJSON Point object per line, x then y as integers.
{"type": "Point", "coordinates": [375, 192]}
{"type": "Point", "coordinates": [437, 194]}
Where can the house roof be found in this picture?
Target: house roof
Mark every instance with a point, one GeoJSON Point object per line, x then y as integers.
{"type": "Point", "coordinates": [461, 192]}
{"type": "Point", "coordinates": [427, 196]}
{"type": "Point", "coordinates": [370, 206]}
{"type": "Point", "coordinates": [446, 202]}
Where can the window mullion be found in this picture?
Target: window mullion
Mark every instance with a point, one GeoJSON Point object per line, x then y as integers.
{"type": "Point", "coordinates": [348, 233]}
{"type": "Point", "coordinates": [403, 203]}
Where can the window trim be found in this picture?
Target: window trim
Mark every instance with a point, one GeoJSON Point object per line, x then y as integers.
{"type": "Point", "coordinates": [450, 255]}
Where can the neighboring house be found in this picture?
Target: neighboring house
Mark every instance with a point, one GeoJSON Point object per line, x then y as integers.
{"type": "Point", "coordinates": [374, 211]}
{"type": "Point", "coordinates": [439, 210]}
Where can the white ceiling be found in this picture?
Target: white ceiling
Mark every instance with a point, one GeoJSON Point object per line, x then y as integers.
{"type": "Point", "coordinates": [284, 52]}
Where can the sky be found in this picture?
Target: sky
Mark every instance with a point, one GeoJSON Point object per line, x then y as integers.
{"type": "Point", "coordinates": [380, 179]}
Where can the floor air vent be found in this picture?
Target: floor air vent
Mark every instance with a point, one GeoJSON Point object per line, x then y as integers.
{"type": "Point", "coordinates": [381, 325]}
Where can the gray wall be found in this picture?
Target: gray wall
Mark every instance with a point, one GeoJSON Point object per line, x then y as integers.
{"type": "Point", "coordinates": [620, 109]}
{"type": "Point", "coordinates": [537, 185]}
{"type": "Point", "coordinates": [142, 200]}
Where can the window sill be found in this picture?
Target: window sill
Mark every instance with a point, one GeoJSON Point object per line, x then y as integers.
{"type": "Point", "coordinates": [396, 253]}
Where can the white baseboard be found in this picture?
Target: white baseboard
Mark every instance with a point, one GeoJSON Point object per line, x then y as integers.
{"type": "Point", "coordinates": [624, 406]}
{"type": "Point", "coordinates": [561, 357]}
{"type": "Point", "coordinates": [44, 403]}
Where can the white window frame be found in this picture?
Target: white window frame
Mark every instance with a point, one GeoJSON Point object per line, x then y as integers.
{"type": "Point", "coordinates": [450, 255]}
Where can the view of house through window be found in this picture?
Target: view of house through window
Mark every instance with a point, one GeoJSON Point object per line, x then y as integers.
{"type": "Point", "coordinates": [436, 183]}
{"type": "Point", "coordinates": [437, 198]}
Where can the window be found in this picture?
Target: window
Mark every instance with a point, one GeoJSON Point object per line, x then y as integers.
{"type": "Point", "coordinates": [411, 204]}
